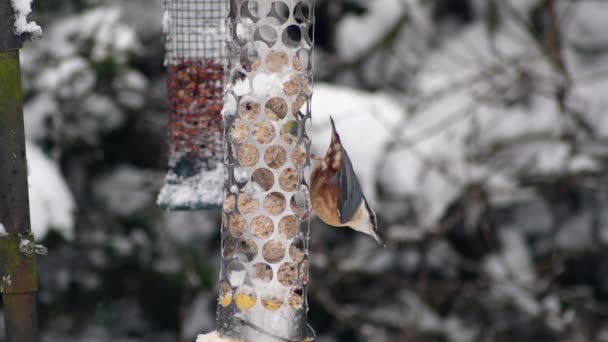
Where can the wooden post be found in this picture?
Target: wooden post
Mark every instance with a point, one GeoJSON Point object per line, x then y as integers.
{"type": "Point", "coordinates": [18, 282]}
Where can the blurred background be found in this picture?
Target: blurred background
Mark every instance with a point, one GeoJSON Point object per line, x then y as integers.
{"type": "Point", "coordinates": [477, 128]}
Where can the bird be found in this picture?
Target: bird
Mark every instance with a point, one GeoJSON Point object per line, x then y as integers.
{"type": "Point", "coordinates": [336, 194]}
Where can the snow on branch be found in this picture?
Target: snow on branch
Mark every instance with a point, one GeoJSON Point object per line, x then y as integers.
{"type": "Point", "coordinates": [22, 9]}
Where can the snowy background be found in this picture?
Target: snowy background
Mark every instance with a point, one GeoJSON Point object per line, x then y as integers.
{"type": "Point", "coordinates": [477, 128]}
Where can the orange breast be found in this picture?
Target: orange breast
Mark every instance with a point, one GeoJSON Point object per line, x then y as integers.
{"type": "Point", "coordinates": [324, 198]}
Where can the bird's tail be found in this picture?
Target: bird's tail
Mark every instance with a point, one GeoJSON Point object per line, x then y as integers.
{"type": "Point", "coordinates": [334, 136]}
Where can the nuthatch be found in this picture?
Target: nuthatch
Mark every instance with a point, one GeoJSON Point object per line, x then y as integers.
{"type": "Point", "coordinates": [336, 194]}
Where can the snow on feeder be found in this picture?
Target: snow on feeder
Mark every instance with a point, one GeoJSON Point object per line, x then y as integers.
{"type": "Point", "coordinates": [266, 202]}
{"type": "Point", "coordinates": [195, 56]}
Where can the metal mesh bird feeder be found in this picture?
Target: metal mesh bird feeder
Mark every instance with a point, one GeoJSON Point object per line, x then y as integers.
{"type": "Point", "coordinates": [266, 202]}
{"type": "Point", "coordinates": [195, 58]}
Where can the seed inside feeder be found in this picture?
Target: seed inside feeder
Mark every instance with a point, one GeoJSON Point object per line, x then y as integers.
{"type": "Point", "coordinates": [248, 155]}
{"type": "Point", "coordinates": [297, 104]}
{"type": "Point", "coordinates": [237, 225]}
{"type": "Point", "coordinates": [297, 64]}
{"type": "Point", "coordinates": [296, 298]}
{"type": "Point", "coordinates": [287, 274]}
{"type": "Point", "coordinates": [249, 109]}
{"type": "Point", "coordinates": [246, 250]}
{"type": "Point", "coordinates": [275, 203]}
{"type": "Point", "coordinates": [288, 227]}
{"type": "Point", "coordinates": [245, 298]}
{"type": "Point", "coordinates": [300, 204]}
{"type": "Point", "coordinates": [276, 108]}
{"type": "Point", "coordinates": [295, 208]}
{"type": "Point", "coordinates": [225, 294]}
{"type": "Point", "coordinates": [298, 156]}
{"type": "Point", "coordinates": [195, 100]}
{"type": "Point", "coordinates": [306, 89]}
{"type": "Point", "coordinates": [262, 227]}
{"type": "Point", "coordinates": [263, 132]}
{"type": "Point", "coordinates": [239, 132]}
{"type": "Point", "coordinates": [261, 271]}
{"type": "Point", "coordinates": [289, 132]}
{"type": "Point", "coordinates": [272, 303]}
{"type": "Point", "coordinates": [241, 175]}
{"type": "Point", "coordinates": [293, 86]}
{"type": "Point", "coordinates": [296, 251]}
{"type": "Point", "coordinates": [228, 248]}
{"type": "Point", "coordinates": [304, 272]}
{"type": "Point", "coordinates": [275, 156]}
{"type": "Point", "coordinates": [247, 204]}
{"type": "Point", "coordinates": [229, 203]}
{"type": "Point", "coordinates": [276, 61]}
{"type": "Point", "coordinates": [273, 251]}
{"type": "Point", "coordinates": [289, 179]}
{"type": "Point", "coordinates": [264, 178]}
{"type": "Point", "coordinates": [257, 64]}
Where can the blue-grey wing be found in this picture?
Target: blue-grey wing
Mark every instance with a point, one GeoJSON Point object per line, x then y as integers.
{"type": "Point", "coordinates": [351, 194]}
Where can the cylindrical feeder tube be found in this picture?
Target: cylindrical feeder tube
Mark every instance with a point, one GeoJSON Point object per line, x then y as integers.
{"type": "Point", "coordinates": [266, 206]}
{"type": "Point", "coordinates": [195, 58]}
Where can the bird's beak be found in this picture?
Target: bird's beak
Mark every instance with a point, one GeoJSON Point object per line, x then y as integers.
{"type": "Point", "coordinates": [377, 238]}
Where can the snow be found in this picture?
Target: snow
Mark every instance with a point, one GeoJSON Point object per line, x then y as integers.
{"type": "Point", "coordinates": [100, 113]}
{"type": "Point", "coordinates": [187, 226]}
{"type": "Point", "coordinates": [513, 272]}
{"type": "Point", "coordinates": [229, 105]}
{"type": "Point", "coordinates": [110, 36]}
{"type": "Point", "coordinates": [576, 234]}
{"type": "Point", "coordinates": [241, 87]}
{"type": "Point", "coordinates": [361, 120]}
{"type": "Point", "coordinates": [245, 29]}
{"type": "Point", "coordinates": [3, 231]}
{"type": "Point", "coordinates": [131, 87]}
{"type": "Point", "coordinates": [200, 191]}
{"type": "Point", "coordinates": [190, 33]}
{"type": "Point", "coordinates": [51, 202]}
{"type": "Point", "coordinates": [101, 28]}
{"type": "Point", "coordinates": [267, 85]}
{"type": "Point", "coordinates": [127, 190]}
{"type": "Point", "coordinates": [72, 77]}
{"type": "Point", "coordinates": [368, 28]}
{"type": "Point", "coordinates": [22, 9]}
{"type": "Point", "coordinates": [167, 21]}
{"type": "Point", "coordinates": [39, 112]}
{"type": "Point", "coordinates": [589, 26]}
{"type": "Point", "coordinates": [213, 337]}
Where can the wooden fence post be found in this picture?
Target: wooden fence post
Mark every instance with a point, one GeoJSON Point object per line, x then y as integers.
{"type": "Point", "coordinates": [18, 282]}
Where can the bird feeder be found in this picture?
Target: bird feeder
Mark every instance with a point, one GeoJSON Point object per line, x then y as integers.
{"type": "Point", "coordinates": [266, 202]}
{"type": "Point", "coordinates": [195, 57]}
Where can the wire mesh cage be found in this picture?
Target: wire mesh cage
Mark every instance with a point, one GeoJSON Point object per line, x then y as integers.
{"type": "Point", "coordinates": [266, 205]}
{"type": "Point", "coordinates": [195, 58]}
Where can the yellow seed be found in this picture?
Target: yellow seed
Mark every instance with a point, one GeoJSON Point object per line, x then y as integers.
{"type": "Point", "coordinates": [245, 301]}
{"type": "Point", "coordinates": [272, 304]}
{"type": "Point", "coordinates": [226, 300]}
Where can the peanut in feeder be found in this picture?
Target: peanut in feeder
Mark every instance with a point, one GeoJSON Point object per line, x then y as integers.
{"type": "Point", "coordinates": [195, 58]}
